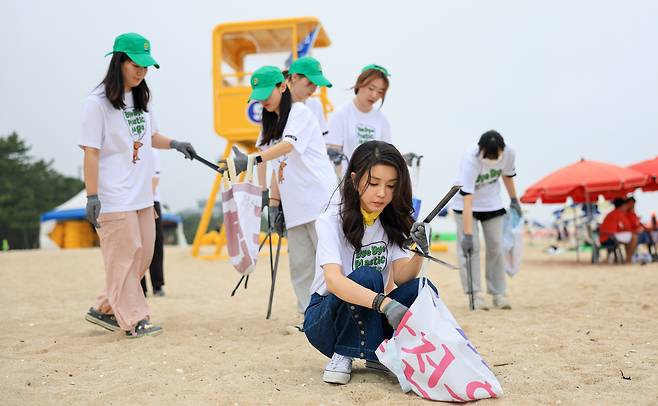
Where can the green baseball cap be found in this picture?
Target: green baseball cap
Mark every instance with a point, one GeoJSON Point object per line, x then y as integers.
{"type": "Point", "coordinates": [309, 67]}
{"type": "Point", "coordinates": [263, 81]}
{"type": "Point", "coordinates": [376, 67]}
{"type": "Point", "coordinates": [136, 47]}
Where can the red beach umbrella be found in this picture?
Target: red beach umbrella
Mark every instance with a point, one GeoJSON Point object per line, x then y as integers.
{"type": "Point", "coordinates": [650, 168]}
{"type": "Point", "coordinates": [585, 181]}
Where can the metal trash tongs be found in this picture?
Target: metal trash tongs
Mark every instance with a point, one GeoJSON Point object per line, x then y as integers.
{"type": "Point", "coordinates": [443, 203]}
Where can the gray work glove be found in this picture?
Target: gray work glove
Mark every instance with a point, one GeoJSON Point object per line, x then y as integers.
{"type": "Point", "coordinates": [394, 312]}
{"type": "Point", "coordinates": [467, 244]}
{"type": "Point", "coordinates": [184, 148]}
{"type": "Point", "coordinates": [240, 160]}
{"type": "Point", "coordinates": [419, 236]}
{"type": "Point", "coordinates": [516, 206]}
{"type": "Point", "coordinates": [277, 220]}
{"type": "Point", "coordinates": [93, 210]}
{"type": "Point", "coordinates": [335, 156]}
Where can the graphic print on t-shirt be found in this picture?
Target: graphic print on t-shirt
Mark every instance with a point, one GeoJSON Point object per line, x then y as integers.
{"type": "Point", "coordinates": [373, 254]}
{"type": "Point", "coordinates": [364, 133]}
{"type": "Point", "coordinates": [137, 127]}
{"type": "Point", "coordinates": [487, 178]}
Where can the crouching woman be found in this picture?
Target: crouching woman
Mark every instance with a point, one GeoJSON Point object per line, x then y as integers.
{"type": "Point", "coordinates": [361, 258]}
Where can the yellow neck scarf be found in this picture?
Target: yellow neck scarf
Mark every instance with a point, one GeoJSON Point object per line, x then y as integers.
{"type": "Point", "coordinates": [369, 218]}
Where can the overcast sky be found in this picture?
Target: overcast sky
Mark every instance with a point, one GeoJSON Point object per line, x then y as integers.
{"type": "Point", "coordinates": [560, 80]}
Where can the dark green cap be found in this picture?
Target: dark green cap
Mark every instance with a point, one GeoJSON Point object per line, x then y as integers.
{"type": "Point", "coordinates": [376, 67]}
{"type": "Point", "coordinates": [263, 81]}
{"type": "Point", "coordinates": [309, 67]}
{"type": "Point", "coordinates": [136, 47]}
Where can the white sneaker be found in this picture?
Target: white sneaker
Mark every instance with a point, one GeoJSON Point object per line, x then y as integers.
{"type": "Point", "coordinates": [338, 370]}
{"type": "Point", "coordinates": [501, 302]}
{"type": "Point", "coordinates": [479, 302]}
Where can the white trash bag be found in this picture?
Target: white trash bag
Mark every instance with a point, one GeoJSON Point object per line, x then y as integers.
{"type": "Point", "coordinates": [241, 205]}
{"type": "Point", "coordinates": [430, 354]}
{"type": "Point", "coordinates": [512, 242]}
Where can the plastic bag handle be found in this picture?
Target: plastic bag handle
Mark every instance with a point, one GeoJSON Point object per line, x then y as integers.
{"type": "Point", "coordinates": [230, 163]}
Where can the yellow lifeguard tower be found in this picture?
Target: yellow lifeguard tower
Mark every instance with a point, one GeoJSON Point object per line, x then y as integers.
{"type": "Point", "coordinates": [234, 119]}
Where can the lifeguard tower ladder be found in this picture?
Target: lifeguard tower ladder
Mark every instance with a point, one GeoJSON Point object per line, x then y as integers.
{"type": "Point", "coordinates": [234, 119]}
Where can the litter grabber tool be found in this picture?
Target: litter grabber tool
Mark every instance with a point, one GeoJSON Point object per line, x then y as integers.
{"type": "Point", "coordinates": [469, 281]}
{"type": "Point", "coordinates": [210, 164]}
{"type": "Point", "coordinates": [274, 258]}
{"type": "Point", "coordinates": [442, 203]}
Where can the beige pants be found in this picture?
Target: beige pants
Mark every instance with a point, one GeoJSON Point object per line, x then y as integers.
{"type": "Point", "coordinates": [127, 242]}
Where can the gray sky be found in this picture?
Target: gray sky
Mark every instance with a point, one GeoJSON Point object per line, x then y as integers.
{"type": "Point", "coordinates": [559, 79]}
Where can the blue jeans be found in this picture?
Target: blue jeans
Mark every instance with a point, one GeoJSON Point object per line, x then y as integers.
{"type": "Point", "coordinates": [335, 326]}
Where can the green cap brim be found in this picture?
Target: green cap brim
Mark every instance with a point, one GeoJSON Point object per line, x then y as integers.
{"type": "Point", "coordinates": [261, 93]}
{"type": "Point", "coordinates": [143, 60]}
{"type": "Point", "coordinates": [319, 80]}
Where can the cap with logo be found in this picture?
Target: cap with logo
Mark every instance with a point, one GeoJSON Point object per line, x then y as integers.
{"type": "Point", "coordinates": [309, 67]}
{"type": "Point", "coordinates": [136, 47]}
{"type": "Point", "coordinates": [263, 81]}
{"type": "Point", "coordinates": [376, 67]}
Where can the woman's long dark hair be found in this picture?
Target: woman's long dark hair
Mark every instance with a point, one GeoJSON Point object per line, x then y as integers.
{"type": "Point", "coordinates": [114, 85]}
{"type": "Point", "coordinates": [396, 217]}
{"type": "Point", "coordinates": [273, 123]}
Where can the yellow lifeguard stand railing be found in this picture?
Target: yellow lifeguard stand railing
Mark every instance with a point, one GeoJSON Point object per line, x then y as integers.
{"type": "Point", "coordinates": [234, 119]}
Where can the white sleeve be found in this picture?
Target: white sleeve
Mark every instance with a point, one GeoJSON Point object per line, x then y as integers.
{"type": "Point", "coordinates": [92, 125]}
{"type": "Point", "coordinates": [468, 173]}
{"type": "Point", "coordinates": [298, 132]}
{"type": "Point", "coordinates": [154, 123]}
{"type": "Point", "coordinates": [387, 136]}
{"type": "Point", "coordinates": [156, 163]}
{"type": "Point", "coordinates": [510, 162]}
{"type": "Point", "coordinates": [329, 242]}
{"type": "Point", "coordinates": [316, 107]}
{"type": "Point", "coordinates": [336, 134]}
{"type": "Point", "coordinates": [397, 252]}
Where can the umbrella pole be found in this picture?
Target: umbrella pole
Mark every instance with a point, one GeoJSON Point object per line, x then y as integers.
{"type": "Point", "coordinates": [575, 228]}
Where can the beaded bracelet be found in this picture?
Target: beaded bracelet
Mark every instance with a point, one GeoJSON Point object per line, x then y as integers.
{"type": "Point", "coordinates": [377, 302]}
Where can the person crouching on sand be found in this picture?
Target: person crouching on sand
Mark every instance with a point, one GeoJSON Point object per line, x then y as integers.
{"type": "Point", "coordinates": [361, 258]}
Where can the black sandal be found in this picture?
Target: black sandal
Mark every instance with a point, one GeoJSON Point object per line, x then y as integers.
{"type": "Point", "coordinates": [107, 321]}
{"type": "Point", "coordinates": [144, 328]}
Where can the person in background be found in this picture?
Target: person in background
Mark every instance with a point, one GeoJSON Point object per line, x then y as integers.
{"type": "Point", "coordinates": [642, 232]}
{"type": "Point", "coordinates": [359, 121]}
{"type": "Point", "coordinates": [303, 78]}
{"type": "Point", "coordinates": [616, 229]}
{"type": "Point", "coordinates": [118, 132]}
{"type": "Point", "coordinates": [303, 181]}
{"type": "Point", "coordinates": [483, 166]}
{"type": "Point", "coordinates": [156, 269]}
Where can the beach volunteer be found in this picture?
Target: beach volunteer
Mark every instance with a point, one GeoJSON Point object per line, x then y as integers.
{"type": "Point", "coordinates": [303, 179]}
{"type": "Point", "coordinates": [118, 132]}
{"type": "Point", "coordinates": [304, 77]}
{"type": "Point", "coordinates": [359, 121]}
{"type": "Point", "coordinates": [365, 279]}
{"type": "Point", "coordinates": [481, 170]}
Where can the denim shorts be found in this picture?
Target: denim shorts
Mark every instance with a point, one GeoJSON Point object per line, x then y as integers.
{"type": "Point", "coordinates": [335, 326]}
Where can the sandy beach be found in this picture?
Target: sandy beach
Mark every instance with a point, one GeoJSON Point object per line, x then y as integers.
{"type": "Point", "coordinates": [573, 330]}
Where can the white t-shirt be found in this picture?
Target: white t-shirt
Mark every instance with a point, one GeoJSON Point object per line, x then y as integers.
{"type": "Point", "coordinates": [316, 107]}
{"type": "Point", "coordinates": [350, 128]}
{"type": "Point", "coordinates": [123, 185]}
{"type": "Point", "coordinates": [156, 174]}
{"type": "Point", "coordinates": [333, 248]}
{"type": "Point", "coordinates": [305, 175]}
{"type": "Point", "coordinates": [482, 179]}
